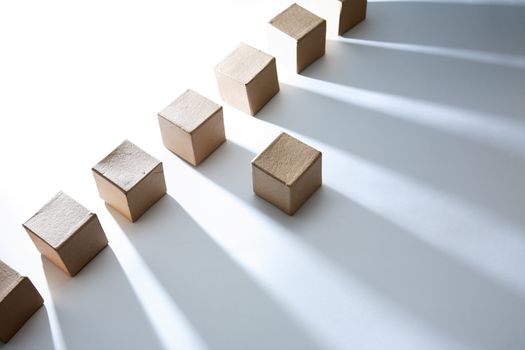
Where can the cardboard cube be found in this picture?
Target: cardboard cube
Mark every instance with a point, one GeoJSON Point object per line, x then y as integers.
{"type": "Point", "coordinates": [247, 79]}
{"type": "Point", "coordinates": [287, 173]}
{"type": "Point", "coordinates": [66, 233]}
{"type": "Point", "coordinates": [19, 300]}
{"type": "Point", "coordinates": [297, 37]}
{"type": "Point", "coordinates": [341, 15]}
{"type": "Point", "coordinates": [192, 127]}
{"type": "Point", "coordinates": [130, 180]}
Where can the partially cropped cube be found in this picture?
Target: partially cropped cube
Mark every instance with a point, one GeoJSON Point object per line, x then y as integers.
{"type": "Point", "coordinates": [287, 173]}
{"type": "Point", "coordinates": [297, 37]}
{"type": "Point", "coordinates": [66, 233]}
{"type": "Point", "coordinates": [247, 79]}
{"type": "Point", "coordinates": [341, 15]}
{"type": "Point", "coordinates": [130, 180]}
{"type": "Point", "coordinates": [19, 300]}
{"type": "Point", "coordinates": [192, 127]}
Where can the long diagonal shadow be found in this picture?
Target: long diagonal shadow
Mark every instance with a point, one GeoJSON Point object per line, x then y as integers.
{"type": "Point", "coordinates": [495, 28]}
{"type": "Point", "coordinates": [448, 81]}
{"type": "Point", "coordinates": [226, 307]}
{"type": "Point", "coordinates": [426, 282]}
{"type": "Point", "coordinates": [34, 334]}
{"type": "Point", "coordinates": [469, 169]}
{"type": "Point", "coordinates": [98, 308]}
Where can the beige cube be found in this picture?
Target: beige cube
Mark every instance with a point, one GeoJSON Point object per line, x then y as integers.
{"type": "Point", "coordinates": [192, 127]}
{"type": "Point", "coordinates": [287, 173]}
{"type": "Point", "coordinates": [19, 300]}
{"type": "Point", "coordinates": [130, 180]}
{"type": "Point", "coordinates": [341, 15]}
{"type": "Point", "coordinates": [66, 233]}
{"type": "Point", "coordinates": [247, 79]}
{"type": "Point", "coordinates": [297, 37]}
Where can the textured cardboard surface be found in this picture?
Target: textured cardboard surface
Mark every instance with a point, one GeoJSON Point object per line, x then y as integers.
{"type": "Point", "coordinates": [271, 189]}
{"type": "Point", "coordinates": [146, 193]}
{"type": "Point", "coordinates": [263, 88]}
{"type": "Point", "coordinates": [49, 252]}
{"type": "Point", "coordinates": [287, 173]}
{"type": "Point", "coordinates": [233, 92]}
{"type": "Point", "coordinates": [60, 218]}
{"type": "Point", "coordinates": [126, 165]}
{"type": "Point", "coordinates": [296, 21]}
{"type": "Point", "coordinates": [66, 233]}
{"type": "Point", "coordinates": [192, 127]}
{"type": "Point", "coordinates": [176, 140]}
{"type": "Point", "coordinates": [306, 185]}
{"type": "Point", "coordinates": [83, 246]}
{"type": "Point", "coordinates": [311, 47]}
{"type": "Point", "coordinates": [353, 12]}
{"type": "Point", "coordinates": [131, 182]}
{"type": "Point", "coordinates": [112, 194]}
{"type": "Point", "coordinates": [244, 63]}
{"type": "Point", "coordinates": [9, 278]}
{"type": "Point", "coordinates": [297, 37]}
{"type": "Point", "coordinates": [247, 79]}
{"type": "Point", "coordinates": [19, 300]}
{"type": "Point", "coordinates": [190, 110]}
{"type": "Point", "coordinates": [208, 137]}
{"type": "Point", "coordinates": [286, 158]}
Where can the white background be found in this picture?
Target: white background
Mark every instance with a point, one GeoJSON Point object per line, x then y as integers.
{"type": "Point", "coordinates": [415, 241]}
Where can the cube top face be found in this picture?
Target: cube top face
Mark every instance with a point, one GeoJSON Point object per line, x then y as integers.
{"type": "Point", "coordinates": [126, 166]}
{"type": "Point", "coordinates": [9, 278]}
{"type": "Point", "coordinates": [244, 63]}
{"type": "Point", "coordinates": [296, 21]}
{"type": "Point", "coordinates": [58, 220]}
{"type": "Point", "coordinates": [286, 159]}
{"type": "Point", "coordinates": [190, 110]}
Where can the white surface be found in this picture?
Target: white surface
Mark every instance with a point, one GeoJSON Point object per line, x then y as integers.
{"type": "Point", "coordinates": [415, 241]}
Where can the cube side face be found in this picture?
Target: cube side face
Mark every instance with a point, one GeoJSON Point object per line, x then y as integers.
{"type": "Point", "coordinates": [18, 307]}
{"type": "Point", "coordinates": [311, 47]}
{"type": "Point", "coordinates": [270, 189]}
{"type": "Point", "coordinates": [233, 92]}
{"type": "Point", "coordinates": [46, 250]}
{"type": "Point", "coordinates": [146, 193]}
{"type": "Point", "coordinates": [282, 46]}
{"type": "Point", "coordinates": [306, 185]}
{"type": "Point", "coordinates": [353, 12]}
{"type": "Point", "coordinates": [112, 195]}
{"type": "Point", "coordinates": [208, 137]}
{"type": "Point", "coordinates": [176, 140]}
{"type": "Point", "coordinates": [263, 87]}
{"type": "Point", "coordinates": [83, 246]}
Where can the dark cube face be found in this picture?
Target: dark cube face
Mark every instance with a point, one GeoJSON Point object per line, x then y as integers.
{"type": "Point", "coordinates": [19, 300]}
{"type": "Point", "coordinates": [312, 47]}
{"type": "Point", "coordinates": [352, 13]}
